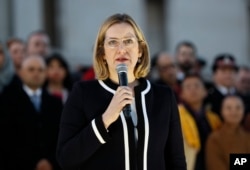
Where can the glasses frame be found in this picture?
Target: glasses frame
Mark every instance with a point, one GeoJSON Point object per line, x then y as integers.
{"type": "Point", "coordinates": [121, 41]}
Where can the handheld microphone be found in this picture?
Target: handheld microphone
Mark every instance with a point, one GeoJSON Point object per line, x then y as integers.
{"type": "Point", "coordinates": [123, 81]}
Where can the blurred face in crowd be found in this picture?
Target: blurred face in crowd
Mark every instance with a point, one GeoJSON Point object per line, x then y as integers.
{"type": "Point", "coordinates": [225, 76]}
{"type": "Point", "coordinates": [55, 72]}
{"type": "Point", "coordinates": [1, 58]}
{"type": "Point", "coordinates": [32, 72]}
{"type": "Point", "coordinates": [17, 53]}
{"type": "Point", "coordinates": [121, 46]}
{"type": "Point", "coordinates": [166, 68]}
{"type": "Point", "coordinates": [38, 44]}
{"type": "Point", "coordinates": [193, 90]}
{"type": "Point", "coordinates": [232, 110]}
{"type": "Point", "coordinates": [243, 81]}
{"type": "Point", "coordinates": [186, 57]}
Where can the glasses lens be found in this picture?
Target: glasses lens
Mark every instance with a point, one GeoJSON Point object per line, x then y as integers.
{"type": "Point", "coordinates": [113, 43]}
{"type": "Point", "coordinates": [129, 42]}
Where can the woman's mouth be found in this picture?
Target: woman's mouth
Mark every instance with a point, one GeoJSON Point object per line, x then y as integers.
{"type": "Point", "coordinates": [121, 59]}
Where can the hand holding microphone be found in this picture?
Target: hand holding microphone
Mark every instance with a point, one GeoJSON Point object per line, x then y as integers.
{"type": "Point", "coordinates": [123, 81]}
{"type": "Point", "coordinates": [121, 100]}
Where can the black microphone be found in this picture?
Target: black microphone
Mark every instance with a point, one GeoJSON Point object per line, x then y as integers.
{"type": "Point", "coordinates": [123, 81]}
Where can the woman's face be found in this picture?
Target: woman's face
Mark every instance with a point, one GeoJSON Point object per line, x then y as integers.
{"type": "Point", "coordinates": [55, 72]}
{"type": "Point", "coordinates": [193, 91]}
{"type": "Point", "coordinates": [121, 46]}
{"type": "Point", "coordinates": [232, 110]}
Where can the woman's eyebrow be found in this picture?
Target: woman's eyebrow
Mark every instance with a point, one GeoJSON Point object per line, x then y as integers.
{"type": "Point", "coordinates": [126, 36]}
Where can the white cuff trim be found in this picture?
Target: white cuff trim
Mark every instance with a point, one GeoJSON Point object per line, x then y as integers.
{"type": "Point", "coordinates": [98, 135]}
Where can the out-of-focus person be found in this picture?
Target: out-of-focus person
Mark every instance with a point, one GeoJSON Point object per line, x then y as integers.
{"type": "Point", "coordinates": [16, 48]}
{"type": "Point", "coordinates": [6, 69]}
{"type": "Point", "coordinates": [89, 74]}
{"type": "Point", "coordinates": [243, 88]}
{"type": "Point", "coordinates": [167, 72]}
{"type": "Point", "coordinates": [199, 66]}
{"type": "Point", "coordinates": [38, 43]}
{"type": "Point", "coordinates": [29, 121]}
{"type": "Point", "coordinates": [186, 54]}
{"type": "Point", "coordinates": [197, 122]}
{"type": "Point", "coordinates": [243, 81]}
{"type": "Point", "coordinates": [230, 138]}
{"type": "Point", "coordinates": [58, 80]}
{"type": "Point", "coordinates": [224, 76]}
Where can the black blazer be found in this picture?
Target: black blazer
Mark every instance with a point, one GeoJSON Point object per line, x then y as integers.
{"type": "Point", "coordinates": [28, 136]}
{"type": "Point", "coordinates": [85, 144]}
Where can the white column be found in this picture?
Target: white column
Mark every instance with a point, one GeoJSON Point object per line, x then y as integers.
{"type": "Point", "coordinates": [4, 21]}
{"type": "Point", "coordinates": [28, 17]}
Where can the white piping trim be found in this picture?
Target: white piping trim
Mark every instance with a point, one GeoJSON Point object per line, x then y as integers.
{"type": "Point", "coordinates": [144, 110]}
{"type": "Point", "coordinates": [98, 135]}
{"type": "Point", "coordinates": [125, 129]}
{"type": "Point", "coordinates": [106, 87]}
{"type": "Point", "coordinates": [126, 144]}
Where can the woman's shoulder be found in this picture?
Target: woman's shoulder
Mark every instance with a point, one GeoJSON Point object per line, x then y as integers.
{"type": "Point", "coordinates": [216, 136]}
{"type": "Point", "coordinates": [162, 91]}
{"type": "Point", "coordinates": [160, 88]}
{"type": "Point", "coordinates": [245, 133]}
{"type": "Point", "coordinates": [86, 83]}
{"type": "Point", "coordinates": [85, 86]}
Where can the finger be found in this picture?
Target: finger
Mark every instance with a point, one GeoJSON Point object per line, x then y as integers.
{"type": "Point", "coordinates": [124, 90]}
{"type": "Point", "coordinates": [125, 102]}
{"type": "Point", "coordinates": [126, 96]}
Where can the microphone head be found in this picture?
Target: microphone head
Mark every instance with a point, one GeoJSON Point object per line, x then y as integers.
{"type": "Point", "coordinates": [121, 68]}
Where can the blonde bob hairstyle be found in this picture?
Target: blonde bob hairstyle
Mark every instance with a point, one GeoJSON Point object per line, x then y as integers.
{"type": "Point", "coordinates": [100, 66]}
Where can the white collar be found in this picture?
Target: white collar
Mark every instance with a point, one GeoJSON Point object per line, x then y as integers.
{"type": "Point", "coordinates": [31, 92]}
{"type": "Point", "coordinates": [225, 90]}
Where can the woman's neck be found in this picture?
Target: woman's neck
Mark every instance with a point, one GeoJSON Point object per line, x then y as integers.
{"type": "Point", "coordinates": [196, 107]}
{"type": "Point", "coordinates": [132, 82]}
{"type": "Point", "coordinates": [231, 128]}
{"type": "Point", "coordinates": [130, 76]}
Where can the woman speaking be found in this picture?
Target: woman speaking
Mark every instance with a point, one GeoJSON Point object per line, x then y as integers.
{"type": "Point", "coordinates": [95, 133]}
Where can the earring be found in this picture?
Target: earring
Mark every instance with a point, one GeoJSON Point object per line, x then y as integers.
{"type": "Point", "coordinates": [139, 60]}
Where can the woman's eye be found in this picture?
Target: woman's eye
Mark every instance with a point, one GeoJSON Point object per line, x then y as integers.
{"type": "Point", "coordinates": [113, 43]}
{"type": "Point", "coordinates": [128, 41]}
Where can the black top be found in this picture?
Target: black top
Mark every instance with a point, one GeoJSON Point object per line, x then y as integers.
{"type": "Point", "coordinates": [214, 100]}
{"type": "Point", "coordinates": [85, 144]}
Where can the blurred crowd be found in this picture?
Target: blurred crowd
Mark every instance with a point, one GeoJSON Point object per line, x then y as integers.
{"type": "Point", "coordinates": [35, 83]}
{"type": "Point", "coordinates": [215, 114]}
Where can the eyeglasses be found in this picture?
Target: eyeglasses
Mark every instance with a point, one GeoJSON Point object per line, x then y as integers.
{"type": "Point", "coordinates": [126, 42]}
{"type": "Point", "coordinates": [33, 69]}
{"type": "Point", "coordinates": [166, 67]}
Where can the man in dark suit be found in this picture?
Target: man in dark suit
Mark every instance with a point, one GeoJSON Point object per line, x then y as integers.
{"type": "Point", "coordinates": [224, 77]}
{"type": "Point", "coordinates": [29, 121]}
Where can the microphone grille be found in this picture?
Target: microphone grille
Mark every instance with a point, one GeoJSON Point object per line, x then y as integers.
{"type": "Point", "coordinates": [121, 68]}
